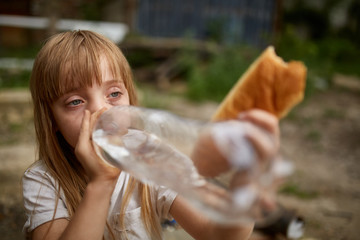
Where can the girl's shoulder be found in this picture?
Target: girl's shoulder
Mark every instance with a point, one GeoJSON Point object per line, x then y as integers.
{"type": "Point", "coordinates": [38, 172]}
{"type": "Point", "coordinates": [38, 165]}
{"type": "Point", "coordinates": [41, 192]}
{"type": "Point", "coordinates": [38, 168]}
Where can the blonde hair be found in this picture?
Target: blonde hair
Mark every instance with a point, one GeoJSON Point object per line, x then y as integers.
{"type": "Point", "coordinates": [69, 60]}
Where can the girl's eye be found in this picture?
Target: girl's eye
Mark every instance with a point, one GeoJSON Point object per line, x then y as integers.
{"type": "Point", "coordinates": [75, 102]}
{"type": "Point", "coordinates": [115, 94]}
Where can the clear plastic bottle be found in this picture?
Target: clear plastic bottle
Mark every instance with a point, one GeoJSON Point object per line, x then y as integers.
{"type": "Point", "coordinates": [155, 147]}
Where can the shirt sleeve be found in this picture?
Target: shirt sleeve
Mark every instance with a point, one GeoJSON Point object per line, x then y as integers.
{"type": "Point", "coordinates": [165, 198]}
{"type": "Point", "coordinates": [40, 192]}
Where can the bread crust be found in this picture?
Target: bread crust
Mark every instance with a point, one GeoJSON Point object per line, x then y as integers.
{"type": "Point", "coordinates": [269, 84]}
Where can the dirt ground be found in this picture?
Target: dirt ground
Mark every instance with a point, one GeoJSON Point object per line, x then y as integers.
{"type": "Point", "coordinates": [321, 137]}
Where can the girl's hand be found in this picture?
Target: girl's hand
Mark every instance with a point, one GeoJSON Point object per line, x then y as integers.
{"type": "Point", "coordinates": [266, 142]}
{"type": "Point", "coordinates": [96, 169]}
{"type": "Point", "coordinates": [262, 133]}
{"type": "Point", "coordinates": [265, 137]}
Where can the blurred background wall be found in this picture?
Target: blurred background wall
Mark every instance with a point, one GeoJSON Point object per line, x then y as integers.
{"type": "Point", "coordinates": [251, 22]}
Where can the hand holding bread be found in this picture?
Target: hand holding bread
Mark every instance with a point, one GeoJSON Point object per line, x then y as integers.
{"type": "Point", "coordinates": [265, 93]}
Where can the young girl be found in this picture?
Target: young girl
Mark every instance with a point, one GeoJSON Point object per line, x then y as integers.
{"type": "Point", "coordinates": [70, 193]}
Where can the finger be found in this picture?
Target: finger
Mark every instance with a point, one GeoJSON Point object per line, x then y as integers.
{"type": "Point", "coordinates": [268, 201]}
{"type": "Point", "coordinates": [266, 146]}
{"type": "Point", "coordinates": [263, 119]}
{"type": "Point", "coordinates": [94, 117]}
{"type": "Point", "coordinates": [241, 178]}
{"type": "Point", "coordinates": [84, 130]}
{"type": "Point", "coordinates": [83, 139]}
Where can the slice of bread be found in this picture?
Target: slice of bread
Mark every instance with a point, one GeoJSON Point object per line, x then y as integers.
{"type": "Point", "coordinates": [269, 84]}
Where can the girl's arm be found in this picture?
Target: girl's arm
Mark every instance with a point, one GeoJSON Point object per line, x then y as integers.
{"type": "Point", "coordinates": [199, 227]}
{"type": "Point", "coordinates": [89, 220]}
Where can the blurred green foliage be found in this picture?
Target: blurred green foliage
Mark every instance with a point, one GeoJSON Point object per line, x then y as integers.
{"type": "Point", "coordinates": [139, 57]}
{"type": "Point", "coordinates": [323, 57]}
{"type": "Point", "coordinates": [14, 79]}
{"type": "Point", "coordinates": [211, 78]}
{"type": "Point", "coordinates": [149, 98]}
{"type": "Point", "coordinates": [92, 10]}
{"type": "Point", "coordinates": [20, 52]}
{"type": "Point", "coordinates": [294, 190]}
{"type": "Point", "coordinates": [314, 136]}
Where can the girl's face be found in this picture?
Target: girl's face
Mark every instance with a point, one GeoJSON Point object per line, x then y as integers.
{"type": "Point", "coordinates": [69, 109]}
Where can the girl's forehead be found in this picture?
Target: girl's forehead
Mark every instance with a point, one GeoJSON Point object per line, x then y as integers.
{"type": "Point", "coordinates": [78, 75]}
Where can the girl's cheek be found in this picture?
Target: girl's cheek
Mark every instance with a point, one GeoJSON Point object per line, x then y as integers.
{"type": "Point", "coordinates": [75, 131]}
{"type": "Point", "coordinates": [120, 103]}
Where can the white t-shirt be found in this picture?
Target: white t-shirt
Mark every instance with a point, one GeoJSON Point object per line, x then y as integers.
{"type": "Point", "coordinates": [40, 189]}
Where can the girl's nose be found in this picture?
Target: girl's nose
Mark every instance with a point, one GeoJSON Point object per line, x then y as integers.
{"type": "Point", "coordinates": [96, 105]}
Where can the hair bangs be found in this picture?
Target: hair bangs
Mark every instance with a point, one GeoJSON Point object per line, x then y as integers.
{"type": "Point", "coordinates": [82, 69]}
